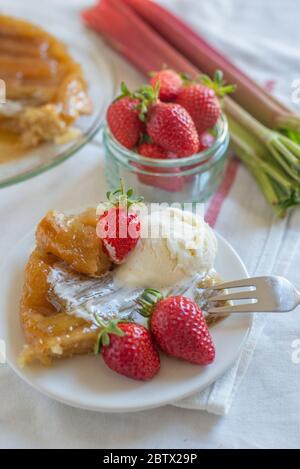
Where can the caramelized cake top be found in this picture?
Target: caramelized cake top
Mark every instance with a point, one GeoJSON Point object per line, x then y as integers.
{"type": "Point", "coordinates": [45, 88]}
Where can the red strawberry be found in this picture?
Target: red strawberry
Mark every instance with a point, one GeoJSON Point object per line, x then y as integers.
{"type": "Point", "coordinates": [118, 227]}
{"type": "Point", "coordinates": [202, 104]}
{"type": "Point", "coordinates": [170, 84]}
{"type": "Point", "coordinates": [124, 122]}
{"type": "Point", "coordinates": [179, 327]}
{"type": "Point", "coordinates": [206, 140]}
{"type": "Point", "coordinates": [128, 349]}
{"type": "Point", "coordinates": [170, 126]}
{"type": "Point", "coordinates": [170, 184]}
{"type": "Point", "coordinates": [152, 150]}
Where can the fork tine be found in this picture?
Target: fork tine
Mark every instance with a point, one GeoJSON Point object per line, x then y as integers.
{"type": "Point", "coordinates": [242, 295]}
{"type": "Point", "coordinates": [244, 308]}
{"type": "Point", "coordinates": [245, 282]}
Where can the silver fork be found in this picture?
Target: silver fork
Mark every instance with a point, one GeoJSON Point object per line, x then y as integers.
{"type": "Point", "coordinates": [264, 294]}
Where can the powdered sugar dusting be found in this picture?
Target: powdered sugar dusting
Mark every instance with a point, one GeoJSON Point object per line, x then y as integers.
{"type": "Point", "coordinates": [85, 297]}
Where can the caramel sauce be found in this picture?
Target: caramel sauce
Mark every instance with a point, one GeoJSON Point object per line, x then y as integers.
{"type": "Point", "coordinates": [11, 147]}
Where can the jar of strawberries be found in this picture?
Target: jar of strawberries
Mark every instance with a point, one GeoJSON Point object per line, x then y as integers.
{"type": "Point", "coordinates": [168, 140]}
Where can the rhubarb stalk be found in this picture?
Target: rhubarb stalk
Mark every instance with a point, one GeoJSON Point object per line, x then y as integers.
{"type": "Point", "coordinates": [249, 94]}
{"type": "Point", "coordinates": [133, 39]}
{"type": "Point", "coordinates": [273, 158]}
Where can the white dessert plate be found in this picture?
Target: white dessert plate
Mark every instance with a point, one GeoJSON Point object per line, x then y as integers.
{"type": "Point", "coordinates": [85, 382]}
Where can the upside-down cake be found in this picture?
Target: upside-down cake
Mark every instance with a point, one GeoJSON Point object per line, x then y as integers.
{"type": "Point", "coordinates": [68, 278]}
{"type": "Point", "coordinates": [45, 88]}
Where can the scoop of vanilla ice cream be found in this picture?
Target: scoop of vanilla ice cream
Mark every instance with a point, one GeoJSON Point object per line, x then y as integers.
{"type": "Point", "coordinates": [174, 246]}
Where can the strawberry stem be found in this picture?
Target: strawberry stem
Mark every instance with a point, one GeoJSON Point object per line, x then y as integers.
{"type": "Point", "coordinates": [121, 198]}
{"type": "Point", "coordinates": [217, 84]}
{"type": "Point", "coordinates": [147, 95]}
{"type": "Point", "coordinates": [103, 339]}
{"type": "Point", "coordinates": [148, 299]}
{"type": "Point", "coordinates": [124, 92]}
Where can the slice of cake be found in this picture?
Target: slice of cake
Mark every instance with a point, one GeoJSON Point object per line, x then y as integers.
{"type": "Point", "coordinates": [45, 88]}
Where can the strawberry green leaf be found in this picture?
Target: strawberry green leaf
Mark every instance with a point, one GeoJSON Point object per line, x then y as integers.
{"type": "Point", "coordinates": [217, 84]}
{"type": "Point", "coordinates": [147, 301]}
{"type": "Point", "coordinates": [121, 198]}
{"type": "Point", "coordinates": [124, 89]}
{"type": "Point", "coordinates": [105, 339]}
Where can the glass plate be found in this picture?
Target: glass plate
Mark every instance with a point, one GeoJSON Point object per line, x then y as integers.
{"type": "Point", "coordinates": [98, 72]}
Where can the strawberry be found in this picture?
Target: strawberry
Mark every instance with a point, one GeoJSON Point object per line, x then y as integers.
{"type": "Point", "coordinates": [118, 227]}
{"type": "Point", "coordinates": [170, 184]}
{"type": "Point", "coordinates": [123, 118]}
{"type": "Point", "coordinates": [169, 82]}
{"type": "Point", "coordinates": [178, 326]}
{"type": "Point", "coordinates": [152, 150]}
{"type": "Point", "coordinates": [128, 349]}
{"type": "Point", "coordinates": [206, 140]}
{"type": "Point", "coordinates": [202, 104]}
{"type": "Point", "coordinates": [124, 122]}
{"type": "Point", "coordinates": [170, 126]}
{"type": "Point", "coordinates": [201, 100]}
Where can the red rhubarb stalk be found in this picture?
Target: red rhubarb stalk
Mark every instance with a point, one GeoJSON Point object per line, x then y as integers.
{"type": "Point", "coordinates": [134, 39]}
{"type": "Point", "coordinates": [249, 94]}
{"type": "Point", "coordinates": [273, 158]}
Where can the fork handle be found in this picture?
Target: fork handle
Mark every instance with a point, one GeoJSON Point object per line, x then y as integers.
{"type": "Point", "coordinates": [297, 295]}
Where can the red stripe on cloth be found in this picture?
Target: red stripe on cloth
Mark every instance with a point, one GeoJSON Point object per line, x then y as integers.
{"type": "Point", "coordinates": [217, 201]}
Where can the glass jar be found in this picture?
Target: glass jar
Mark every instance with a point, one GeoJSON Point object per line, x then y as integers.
{"type": "Point", "coordinates": [190, 179]}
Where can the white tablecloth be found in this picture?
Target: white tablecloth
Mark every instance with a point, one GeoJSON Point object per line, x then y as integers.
{"type": "Point", "coordinates": [263, 38]}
